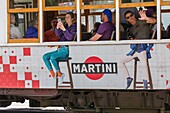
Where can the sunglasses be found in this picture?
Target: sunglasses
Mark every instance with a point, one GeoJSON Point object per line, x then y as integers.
{"type": "Point", "coordinates": [129, 16]}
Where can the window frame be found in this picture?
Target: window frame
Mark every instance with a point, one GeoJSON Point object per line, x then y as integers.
{"type": "Point", "coordinates": [23, 10]}
{"type": "Point", "coordinates": [78, 6]}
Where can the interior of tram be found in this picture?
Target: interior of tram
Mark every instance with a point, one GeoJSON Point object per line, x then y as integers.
{"type": "Point", "coordinates": [43, 11]}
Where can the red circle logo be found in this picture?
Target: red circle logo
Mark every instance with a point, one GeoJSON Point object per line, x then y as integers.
{"type": "Point", "coordinates": [94, 59]}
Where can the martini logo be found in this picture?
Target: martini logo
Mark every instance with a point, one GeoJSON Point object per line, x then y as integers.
{"type": "Point", "coordinates": [94, 68]}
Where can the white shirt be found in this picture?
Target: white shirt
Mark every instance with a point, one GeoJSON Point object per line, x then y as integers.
{"type": "Point", "coordinates": [15, 32]}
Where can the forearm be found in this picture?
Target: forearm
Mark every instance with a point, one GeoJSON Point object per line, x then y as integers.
{"type": "Point", "coordinates": [151, 20]}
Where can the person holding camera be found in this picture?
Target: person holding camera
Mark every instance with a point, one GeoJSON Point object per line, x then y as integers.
{"type": "Point", "coordinates": [65, 33]}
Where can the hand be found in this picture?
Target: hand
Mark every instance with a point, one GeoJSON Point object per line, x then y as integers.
{"type": "Point", "coordinates": [61, 26]}
{"type": "Point", "coordinates": [142, 15]}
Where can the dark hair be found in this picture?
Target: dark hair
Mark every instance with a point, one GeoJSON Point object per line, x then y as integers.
{"type": "Point", "coordinates": [73, 16]}
{"type": "Point", "coordinates": [96, 26]}
{"type": "Point", "coordinates": [55, 18]}
{"type": "Point", "coordinates": [126, 12]}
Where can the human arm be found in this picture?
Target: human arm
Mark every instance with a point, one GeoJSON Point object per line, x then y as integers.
{"type": "Point", "coordinates": [144, 17]}
{"type": "Point", "coordinates": [133, 46]}
{"type": "Point", "coordinates": [70, 32]}
{"type": "Point", "coordinates": [95, 37]}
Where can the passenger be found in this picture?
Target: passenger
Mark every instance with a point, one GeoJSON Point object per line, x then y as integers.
{"type": "Point", "coordinates": [95, 28]}
{"type": "Point", "coordinates": [106, 28]}
{"type": "Point", "coordinates": [139, 30]}
{"type": "Point", "coordinates": [114, 21]}
{"type": "Point", "coordinates": [50, 36]}
{"type": "Point", "coordinates": [83, 28]}
{"type": "Point", "coordinates": [123, 21]}
{"type": "Point", "coordinates": [32, 30]}
{"type": "Point", "coordinates": [151, 12]}
{"type": "Point", "coordinates": [66, 33]}
{"type": "Point", "coordinates": [14, 31]}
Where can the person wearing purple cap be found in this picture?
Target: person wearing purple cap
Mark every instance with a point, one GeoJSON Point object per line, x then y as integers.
{"type": "Point", "coordinates": [106, 28]}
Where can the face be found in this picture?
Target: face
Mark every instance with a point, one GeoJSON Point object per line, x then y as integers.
{"type": "Point", "coordinates": [54, 23]}
{"type": "Point", "coordinates": [68, 19]}
{"type": "Point", "coordinates": [103, 16]}
{"type": "Point", "coordinates": [36, 25]}
{"type": "Point", "coordinates": [12, 19]}
{"type": "Point", "coordinates": [130, 18]}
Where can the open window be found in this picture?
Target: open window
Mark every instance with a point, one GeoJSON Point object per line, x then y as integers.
{"type": "Point", "coordinates": [149, 6]}
{"type": "Point", "coordinates": [165, 15]}
{"type": "Point", "coordinates": [55, 9]}
{"type": "Point", "coordinates": [23, 21]}
{"type": "Point", "coordinates": [91, 11]}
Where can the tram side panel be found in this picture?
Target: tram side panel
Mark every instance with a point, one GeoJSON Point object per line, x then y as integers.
{"type": "Point", "coordinates": [93, 67]}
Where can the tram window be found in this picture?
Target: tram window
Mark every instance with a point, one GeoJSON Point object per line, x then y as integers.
{"type": "Point", "coordinates": [50, 3]}
{"type": "Point", "coordinates": [134, 31]}
{"type": "Point", "coordinates": [14, 4]}
{"type": "Point", "coordinates": [97, 2]}
{"type": "Point", "coordinates": [165, 34]}
{"type": "Point", "coordinates": [136, 1]}
{"type": "Point", "coordinates": [23, 25]}
{"type": "Point", "coordinates": [92, 18]}
{"type": "Point", "coordinates": [52, 18]}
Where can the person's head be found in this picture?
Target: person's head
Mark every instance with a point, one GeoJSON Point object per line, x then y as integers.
{"type": "Point", "coordinates": [130, 17]}
{"type": "Point", "coordinates": [106, 15]}
{"type": "Point", "coordinates": [33, 23]}
{"type": "Point", "coordinates": [54, 22]}
{"type": "Point", "coordinates": [12, 19]}
{"type": "Point", "coordinates": [70, 18]}
{"type": "Point", "coordinates": [96, 26]}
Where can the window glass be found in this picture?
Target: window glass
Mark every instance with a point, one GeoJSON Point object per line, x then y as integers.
{"type": "Point", "coordinates": [16, 4]}
{"type": "Point", "coordinates": [49, 3]}
{"type": "Point", "coordinates": [136, 1]}
{"type": "Point", "coordinates": [97, 2]}
{"type": "Point", "coordinates": [165, 22]}
{"type": "Point", "coordinates": [23, 25]}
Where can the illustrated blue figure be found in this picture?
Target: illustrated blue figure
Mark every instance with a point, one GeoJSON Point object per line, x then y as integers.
{"type": "Point", "coordinates": [139, 30]}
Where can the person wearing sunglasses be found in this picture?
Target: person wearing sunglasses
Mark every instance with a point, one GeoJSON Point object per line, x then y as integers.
{"type": "Point", "coordinates": [50, 36]}
{"type": "Point", "coordinates": [139, 30]}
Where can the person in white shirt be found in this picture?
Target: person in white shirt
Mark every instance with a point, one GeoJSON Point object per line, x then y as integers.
{"type": "Point", "coordinates": [14, 31]}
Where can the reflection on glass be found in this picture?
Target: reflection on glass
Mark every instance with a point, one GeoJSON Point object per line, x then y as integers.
{"type": "Point", "coordinates": [59, 3]}
{"type": "Point", "coordinates": [19, 24]}
{"type": "Point", "coordinates": [14, 4]}
{"type": "Point", "coordinates": [97, 2]}
{"type": "Point", "coordinates": [100, 10]}
{"type": "Point", "coordinates": [136, 1]}
{"type": "Point", "coordinates": [165, 23]}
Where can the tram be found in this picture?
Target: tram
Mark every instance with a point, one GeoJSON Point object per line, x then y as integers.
{"type": "Point", "coordinates": [93, 80]}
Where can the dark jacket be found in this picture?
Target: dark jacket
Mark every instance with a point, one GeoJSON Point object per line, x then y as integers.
{"type": "Point", "coordinates": [31, 32]}
{"type": "Point", "coordinates": [146, 47]}
{"type": "Point", "coordinates": [67, 35]}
